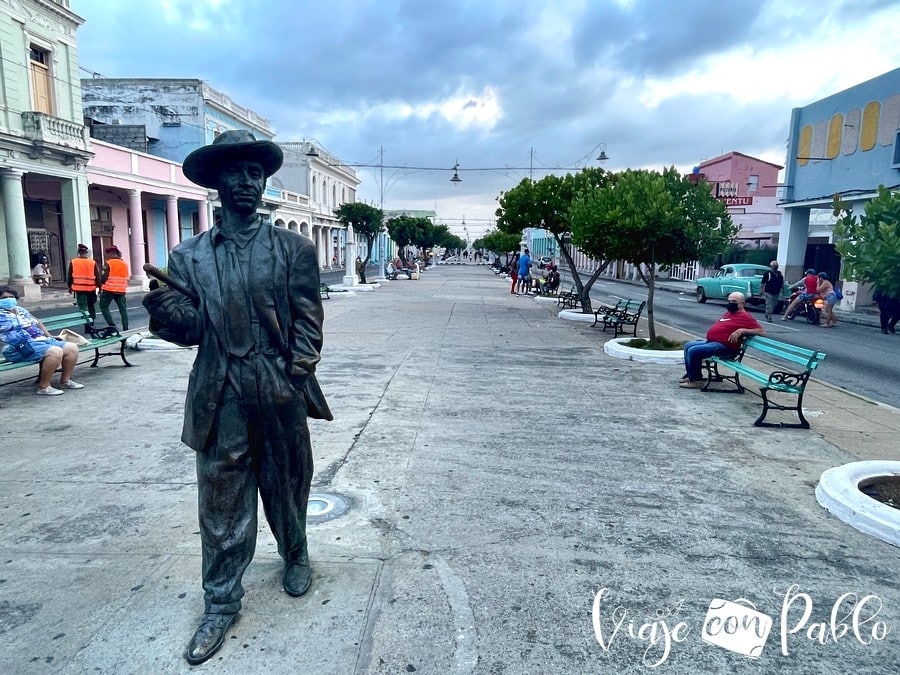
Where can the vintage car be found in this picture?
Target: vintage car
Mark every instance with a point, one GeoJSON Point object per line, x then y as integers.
{"type": "Point", "coordinates": [742, 277]}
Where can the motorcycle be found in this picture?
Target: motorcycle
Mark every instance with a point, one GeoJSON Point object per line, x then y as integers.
{"type": "Point", "coordinates": [811, 309]}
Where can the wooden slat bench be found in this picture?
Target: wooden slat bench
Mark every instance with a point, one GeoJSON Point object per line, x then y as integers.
{"type": "Point", "coordinates": [625, 314]}
{"type": "Point", "coordinates": [77, 321]}
{"type": "Point", "coordinates": [789, 377]}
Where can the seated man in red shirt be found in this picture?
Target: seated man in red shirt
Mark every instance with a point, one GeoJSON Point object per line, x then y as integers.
{"type": "Point", "coordinates": [722, 339]}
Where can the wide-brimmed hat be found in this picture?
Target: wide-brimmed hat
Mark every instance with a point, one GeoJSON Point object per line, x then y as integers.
{"type": "Point", "coordinates": [203, 165]}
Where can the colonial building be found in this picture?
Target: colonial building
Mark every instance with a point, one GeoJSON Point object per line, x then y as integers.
{"type": "Point", "coordinates": [44, 146]}
{"type": "Point", "coordinates": [179, 115]}
{"type": "Point", "coordinates": [310, 169]}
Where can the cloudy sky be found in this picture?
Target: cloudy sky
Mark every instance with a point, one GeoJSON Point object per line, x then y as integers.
{"type": "Point", "coordinates": [505, 88]}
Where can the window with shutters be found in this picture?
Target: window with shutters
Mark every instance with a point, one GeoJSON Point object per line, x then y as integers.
{"type": "Point", "coordinates": [39, 62]}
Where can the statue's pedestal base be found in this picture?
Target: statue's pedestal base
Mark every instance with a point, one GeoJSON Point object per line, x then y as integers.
{"type": "Point", "coordinates": [349, 281]}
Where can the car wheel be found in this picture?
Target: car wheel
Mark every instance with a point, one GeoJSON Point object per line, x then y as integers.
{"type": "Point", "coordinates": [701, 294]}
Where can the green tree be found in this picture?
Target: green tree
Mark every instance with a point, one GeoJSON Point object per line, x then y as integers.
{"type": "Point", "coordinates": [501, 242]}
{"type": "Point", "coordinates": [545, 204]}
{"type": "Point", "coordinates": [870, 244]}
{"type": "Point", "coordinates": [366, 220]}
{"type": "Point", "coordinates": [410, 231]}
{"type": "Point", "coordinates": [653, 220]}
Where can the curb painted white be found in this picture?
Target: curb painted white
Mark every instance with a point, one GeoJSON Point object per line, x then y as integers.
{"type": "Point", "coordinates": [335, 294]}
{"type": "Point", "coordinates": [838, 492]}
{"type": "Point", "coordinates": [357, 287]}
{"type": "Point", "coordinates": [574, 315]}
{"type": "Point", "coordinates": [617, 349]}
{"type": "Point", "coordinates": [546, 300]}
{"type": "Point", "coordinates": [146, 342]}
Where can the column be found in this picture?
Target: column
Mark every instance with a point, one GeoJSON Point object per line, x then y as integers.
{"type": "Point", "coordinates": [329, 245]}
{"type": "Point", "coordinates": [314, 235]}
{"type": "Point", "coordinates": [350, 278]}
{"type": "Point", "coordinates": [76, 214]}
{"type": "Point", "coordinates": [173, 227]}
{"type": "Point", "coordinates": [16, 228]}
{"type": "Point", "coordinates": [792, 242]}
{"type": "Point", "coordinates": [136, 235]}
{"type": "Point", "coordinates": [203, 214]}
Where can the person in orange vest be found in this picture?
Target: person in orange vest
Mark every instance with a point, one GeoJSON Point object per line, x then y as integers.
{"type": "Point", "coordinates": [114, 281]}
{"type": "Point", "coordinates": [84, 279]}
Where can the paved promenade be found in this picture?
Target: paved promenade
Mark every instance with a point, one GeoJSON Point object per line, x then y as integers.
{"type": "Point", "coordinates": [500, 470]}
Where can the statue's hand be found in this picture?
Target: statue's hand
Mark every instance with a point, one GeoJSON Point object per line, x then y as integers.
{"type": "Point", "coordinates": [160, 303]}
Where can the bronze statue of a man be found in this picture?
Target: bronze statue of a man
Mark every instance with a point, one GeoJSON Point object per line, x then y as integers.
{"type": "Point", "coordinates": [248, 295]}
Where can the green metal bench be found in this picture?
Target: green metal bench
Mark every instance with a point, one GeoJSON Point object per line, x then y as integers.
{"type": "Point", "coordinates": [793, 367]}
{"type": "Point", "coordinates": [78, 322]}
{"type": "Point", "coordinates": [324, 291]}
{"type": "Point", "coordinates": [605, 309]}
{"type": "Point", "coordinates": [568, 298]}
{"type": "Point", "coordinates": [626, 313]}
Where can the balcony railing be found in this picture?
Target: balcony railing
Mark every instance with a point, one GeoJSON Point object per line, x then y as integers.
{"type": "Point", "coordinates": [44, 129]}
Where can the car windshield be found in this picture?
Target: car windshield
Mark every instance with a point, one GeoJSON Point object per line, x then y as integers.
{"type": "Point", "coordinates": [750, 273]}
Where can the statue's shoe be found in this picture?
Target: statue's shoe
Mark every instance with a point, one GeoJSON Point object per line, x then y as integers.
{"type": "Point", "coordinates": [297, 577]}
{"type": "Point", "coordinates": [208, 637]}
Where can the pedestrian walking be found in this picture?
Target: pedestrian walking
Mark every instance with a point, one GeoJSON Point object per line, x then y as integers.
{"type": "Point", "coordinates": [113, 284]}
{"type": "Point", "coordinates": [773, 288]}
{"type": "Point", "coordinates": [83, 279]}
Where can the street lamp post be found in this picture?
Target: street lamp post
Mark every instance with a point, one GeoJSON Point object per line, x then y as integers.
{"type": "Point", "coordinates": [383, 234]}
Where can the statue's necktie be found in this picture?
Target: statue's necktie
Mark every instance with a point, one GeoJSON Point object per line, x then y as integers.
{"type": "Point", "coordinates": [236, 299]}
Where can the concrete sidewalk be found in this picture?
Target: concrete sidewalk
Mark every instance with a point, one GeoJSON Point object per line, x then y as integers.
{"type": "Point", "coordinates": [501, 471]}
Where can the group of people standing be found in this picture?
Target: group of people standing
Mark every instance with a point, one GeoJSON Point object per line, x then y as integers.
{"type": "Point", "coordinates": [523, 282]}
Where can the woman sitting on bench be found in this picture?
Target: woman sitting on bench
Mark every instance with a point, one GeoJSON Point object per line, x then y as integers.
{"type": "Point", "coordinates": [27, 340]}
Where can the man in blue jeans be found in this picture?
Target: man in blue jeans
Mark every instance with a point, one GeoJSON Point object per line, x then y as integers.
{"type": "Point", "coordinates": [524, 273]}
{"type": "Point", "coordinates": [722, 339]}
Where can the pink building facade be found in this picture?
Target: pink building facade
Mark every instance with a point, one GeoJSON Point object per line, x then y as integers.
{"type": "Point", "coordinates": [142, 204]}
{"type": "Point", "coordinates": [749, 188]}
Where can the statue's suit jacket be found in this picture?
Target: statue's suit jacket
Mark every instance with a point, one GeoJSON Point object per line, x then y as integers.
{"type": "Point", "coordinates": [283, 283]}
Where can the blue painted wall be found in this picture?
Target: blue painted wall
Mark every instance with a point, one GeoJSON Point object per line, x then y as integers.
{"type": "Point", "coordinates": [852, 138]}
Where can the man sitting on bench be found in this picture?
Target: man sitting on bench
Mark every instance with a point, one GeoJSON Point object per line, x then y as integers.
{"type": "Point", "coordinates": [552, 283]}
{"type": "Point", "coordinates": [722, 339]}
{"type": "Point", "coordinates": [27, 340]}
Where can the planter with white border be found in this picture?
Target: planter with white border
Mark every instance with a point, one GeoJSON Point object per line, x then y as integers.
{"type": "Point", "coordinates": [839, 492]}
{"type": "Point", "coordinates": [576, 315]}
{"type": "Point", "coordinates": [618, 349]}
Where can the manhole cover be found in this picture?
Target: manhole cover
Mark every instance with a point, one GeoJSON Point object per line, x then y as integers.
{"type": "Point", "coordinates": [325, 506]}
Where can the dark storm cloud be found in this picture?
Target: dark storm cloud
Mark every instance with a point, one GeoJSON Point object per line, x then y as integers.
{"type": "Point", "coordinates": [659, 37]}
